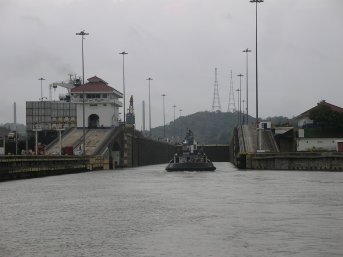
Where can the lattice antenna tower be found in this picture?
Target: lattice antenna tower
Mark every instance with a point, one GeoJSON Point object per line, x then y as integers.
{"type": "Point", "coordinates": [216, 100]}
{"type": "Point", "coordinates": [232, 105]}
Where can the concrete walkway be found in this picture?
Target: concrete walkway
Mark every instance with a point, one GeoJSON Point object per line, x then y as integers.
{"type": "Point", "coordinates": [94, 138]}
{"type": "Point", "coordinates": [247, 135]}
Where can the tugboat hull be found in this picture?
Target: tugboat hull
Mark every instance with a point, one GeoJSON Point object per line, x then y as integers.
{"type": "Point", "coordinates": [190, 167]}
{"type": "Point", "coordinates": [190, 159]}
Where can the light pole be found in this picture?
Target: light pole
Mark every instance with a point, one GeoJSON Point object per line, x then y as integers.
{"type": "Point", "coordinates": [240, 98]}
{"type": "Point", "coordinates": [60, 137]}
{"type": "Point", "coordinates": [239, 111]}
{"type": "Point", "coordinates": [247, 51]}
{"type": "Point", "coordinates": [257, 121]}
{"type": "Point", "coordinates": [180, 124]}
{"type": "Point", "coordinates": [41, 88]}
{"type": "Point", "coordinates": [243, 104]}
{"type": "Point", "coordinates": [164, 117]}
{"type": "Point", "coordinates": [149, 79]}
{"type": "Point", "coordinates": [82, 34]}
{"type": "Point", "coordinates": [123, 54]}
{"type": "Point", "coordinates": [174, 106]}
{"type": "Point", "coordinates": [36, 129]}
{"type": "Point", "coordinates": [83, 124]}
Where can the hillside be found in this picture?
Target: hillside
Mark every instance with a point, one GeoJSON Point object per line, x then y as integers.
{"type": "Point", "coordinates": [21, 128]}
{"type": "Point", "coordinates": [208, 127]}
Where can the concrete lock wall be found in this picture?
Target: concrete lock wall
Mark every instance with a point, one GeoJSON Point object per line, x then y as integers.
{"type": "Point", "coordinates": [217, 153]}
{"type": "Point", "coordinates": [138, 150]}
{"type": "Point", "coordinates": [144, 151]}
{"type": "Point", "coordinates": [296, 161]}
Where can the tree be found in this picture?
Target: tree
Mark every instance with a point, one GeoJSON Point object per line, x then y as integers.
{"type": "Point", "coordinates": [325, 116]}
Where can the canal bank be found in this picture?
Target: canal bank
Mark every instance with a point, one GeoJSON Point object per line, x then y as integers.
{"type": "Point", "coordinates": [315, 161]}
{"type": "Point", "coordinates": [22, 166]}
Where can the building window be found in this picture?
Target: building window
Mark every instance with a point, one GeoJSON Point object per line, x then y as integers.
{"type": "Point", "coordinates": [91, 96]}
{"type": "Point", "coordinates": [93, 105]}
{"type": "Point", "coordinates": [104, 95]}
{"type": "Point", "coordinates": [104, 104]}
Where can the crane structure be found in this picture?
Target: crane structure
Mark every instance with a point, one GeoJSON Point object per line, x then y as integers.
{"type": "Point", "coordinates": [130, 116]}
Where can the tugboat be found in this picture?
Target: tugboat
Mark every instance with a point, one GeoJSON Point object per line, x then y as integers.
{"type": "Point", "coordinates": [190, 159]}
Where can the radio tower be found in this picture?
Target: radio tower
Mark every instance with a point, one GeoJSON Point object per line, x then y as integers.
{"type": "Point", "coordinates": [232, 106]}
{"type": "Point", "coordinates": [216, 101]}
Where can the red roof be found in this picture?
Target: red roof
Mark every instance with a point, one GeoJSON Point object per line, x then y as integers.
{"type": "Point", "coordinates": [94, 84]}
{"type": "Point", "coordinates": [331, 106]}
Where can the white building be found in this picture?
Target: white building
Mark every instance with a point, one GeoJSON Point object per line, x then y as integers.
{"type": "Point", "coordinates": [100, 104]}
{"type": "Point", "coordinates": [312, 137]}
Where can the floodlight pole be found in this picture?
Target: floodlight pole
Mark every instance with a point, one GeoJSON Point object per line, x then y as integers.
{"type": "Point", "coordinates": [123, 54]}
{"type": "Point", "coordinates": [257, 119]}
{"type": "Point", "coordinates": [164, 117]}
{"type": "Point", "coordinates": [239, 111]}
{"type": "Point", "coordinates": [247, 51]}
{"type": "Point", "coordinates": [174, 106]}
{"type": "Point", "coordinates": [240, 98]}
{"type": "Point", "coordinates": [82, 34]}
{"type": "Point", "coordinates": [41, 88]}
{"type": "Point", "coordinates": [149, 79]}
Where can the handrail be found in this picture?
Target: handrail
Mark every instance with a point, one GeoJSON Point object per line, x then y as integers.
{"type": "Point", "coordinates": [114, 132]}
{"type": "Point", "coordinates": [53, 142]}
{"type": "Point", "coordinates": [243, 139]}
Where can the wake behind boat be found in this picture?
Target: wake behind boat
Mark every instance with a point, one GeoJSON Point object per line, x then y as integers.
{"type": "Point", "coordinates": [190, 159]}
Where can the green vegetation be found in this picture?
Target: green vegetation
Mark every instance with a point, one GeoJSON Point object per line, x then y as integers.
{"type": "Point", "coordinates": [325, 117]}
{"type": "Point", "coordinates": [208, 127]}
{"type": "Point", "coordinates": [281, 121]}
{"type": "Point", "coordinates": [323, 132]}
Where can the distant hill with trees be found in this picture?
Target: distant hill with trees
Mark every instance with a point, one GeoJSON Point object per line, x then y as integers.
{"type": "Point", "coordinates": [21, 128]}
{"type": "Point", "coordinates": [208, 127]}
{"type": "Point", "coordinates": [211, 127]}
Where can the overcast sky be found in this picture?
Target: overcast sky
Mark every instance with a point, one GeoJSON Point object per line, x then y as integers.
{"type": "Point", "coordinates": [178, 43]}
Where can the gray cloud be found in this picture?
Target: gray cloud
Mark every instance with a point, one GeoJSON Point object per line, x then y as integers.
{"type": "Point", "coordinates": [179, 43]}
